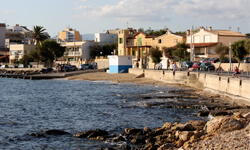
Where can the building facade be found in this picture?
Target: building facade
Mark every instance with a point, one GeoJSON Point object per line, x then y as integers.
{"type": "Point", "coordinates": [204, 41]}
{"type": "Point", "coordinates": [77, 51]}
{"type": "Point", "coordinates": [17, 35]}
{"type": "Point", "coordinates": [2, 35]}
{"type": "Point", "coordinates": [69, 35]}
{"type": "Point", "coordinates": [105, 38]}
{"type": "Point", "coordinates": [19, 50]}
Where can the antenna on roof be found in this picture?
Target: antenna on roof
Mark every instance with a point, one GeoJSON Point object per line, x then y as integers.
{"type": "Point", "coordinates": [127, 25]}
{"type": "Point", "coordinates": [230, 28]}
{"type": "Point", "coordinates": [238, 29]}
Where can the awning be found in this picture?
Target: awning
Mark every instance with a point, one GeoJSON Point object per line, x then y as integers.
{"type": "Point", "coordinates": [6, 56]}
{"type": "Point", "coordinates": [203, 44]}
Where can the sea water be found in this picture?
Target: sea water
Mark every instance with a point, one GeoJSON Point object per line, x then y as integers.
{"type": "Point", "coordinates": [34, 106]}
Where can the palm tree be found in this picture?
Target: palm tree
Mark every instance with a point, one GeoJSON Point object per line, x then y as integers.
{"type": "Point", "coordinates": [39, 35]}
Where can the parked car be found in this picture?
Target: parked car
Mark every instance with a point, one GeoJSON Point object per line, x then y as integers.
{"type": "Point", "coordinates": [4, 66]}
{"type": "Point", "coordinates": [186, 64]}
{"type": "Point", "coordinates": [84, 66]}
{"type": "Point", "coordinates": [211, 59]}
{"type": "Point", "coordinates": [226, 60]}
{"type": "Point", "coordinates": [65, 68]}
{"type": "Point", "coordinates": [14, 66]}
{"type": "Point", "coordinates": [215, 60]}
{"type": "Point", "coordinates": [72, 68]}
{"type": "Point", "coordinates": [206, 66]}
{"type": "Point", "coordinates": [46, 70]}
{"type": "Point", "coordinates": [22, 66]}
{"type": "Point", "coordinates": [246, 60]}
{"type": "Point", "coordinates": [196, 65]}
{"type": "Point", "coordinates": [205, 60]}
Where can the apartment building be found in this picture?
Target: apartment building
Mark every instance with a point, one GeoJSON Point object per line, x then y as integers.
{"type": "Point", "coordinates": [105, 38]}
{"type": "Point", "coordinates": [69, 35]}
{"type": "Point", "coordinates": [17, 35]}
{"type": "Point", "coordinates": [19, 50]}
{"type": "Point", "coordinates": [204, 41]}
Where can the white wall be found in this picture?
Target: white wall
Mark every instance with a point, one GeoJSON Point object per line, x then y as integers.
{"type": "Point", "coordinates": [105, 38]}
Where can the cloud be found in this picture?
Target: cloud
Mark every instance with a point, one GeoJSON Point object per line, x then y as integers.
{"type": "Point", "coordinates": [7, 12]}
{"type": "Point", "coordinates": [163, 10]}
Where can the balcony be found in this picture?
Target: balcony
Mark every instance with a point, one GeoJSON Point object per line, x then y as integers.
{"type": "Point", "coordinates": [74, 54]}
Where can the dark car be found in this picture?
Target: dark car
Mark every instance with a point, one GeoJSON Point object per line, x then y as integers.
{"type": "Point", "coordinates": [246, 60]}
{"type": "Point", "coordinates": [84, 66]}
{"type": "Point", "coordinates": [186, 64]}
{"type": "Point", "coordinates": [73, 68]}
{"type": "Point", "coordinates": [205, 60]}
{"type": "Point", "coordinates": [46, 70]}
{"type": "Point", "coordinates": [206, 66]}
{"type": "Point", "coordinates": [215, 60]}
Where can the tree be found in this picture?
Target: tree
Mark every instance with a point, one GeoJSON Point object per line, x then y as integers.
{"type": "Point", "coordinates": [95, 50]}
{"type": "Point", "coordinates": [155, 54]}
{"type": "Point", "coordinates": [221, 50]}
{"type": "Point", "coordinates": [247, 46]}
{"type": "Point", "coordinates": [180, 51]}
{"type": "Point", "coordinates": [16, 61]}
{"type": "Point", "coordinates": [50, 50]}
{"type": "Point", "coordinates": [239, 51]}
{"type": "Point", "coordinates": [25, 59]}
{"type": "Point", "coordinates": [39, 35]}
{"type": "Point", "coordinates": [168, 51]}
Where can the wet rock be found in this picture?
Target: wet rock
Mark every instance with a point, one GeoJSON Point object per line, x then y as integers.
{"type": "Point", "coordinates": [37, 134]}
{"type": "Point", "coordinates": [183, 127]}
{"type": "Point", "coordinates": [118, 139]}
{"type": "Point", "coordinates": [126, 147]}
{"type": "Point", "coordinates": [198, 125]}
{"type": "Point", "coordinates": [55, 132]}
{"type": "Point", "coordinates": [150, 140]}
{"type": "Point", "coordinates": [147, 130]}
{"type": "Point", "coordinates": [139, 139]}
{"type": "Point", "coordinates": [167, 126]}
{"type": "Point", "coordinates": [149, 146]}
{"type": "Point", "coordinates": [133, 131]}
{"type": "Point", "coordinates": [91, 133]}
{"type": "Point", "coordinates": [218, 113]}
{"type": "Point", "coordinates": [167, 146]}
{"type": "Point", "coordinates": [202, 113]}
{"type": "Point", "coordinates": [185, 135]}
{"type": "Point", "coordinates": [222, 124]}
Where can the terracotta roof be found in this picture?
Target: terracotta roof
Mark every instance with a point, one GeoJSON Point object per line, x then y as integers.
{"type": "Point", "coordinates": [202, 44]}
{"type": "Point", "coordinates": [147, 36]}
{"type": "Point", "coordinates": [226, 33]}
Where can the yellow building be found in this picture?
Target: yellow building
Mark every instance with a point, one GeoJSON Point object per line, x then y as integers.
{"type": "Point", "coordinates": [139, 44]}
{"type": "Point", "coordinates": [69, 35]}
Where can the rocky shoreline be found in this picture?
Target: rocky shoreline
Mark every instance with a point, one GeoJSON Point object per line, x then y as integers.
{"type": "Point", "coordinates": [228, 127]}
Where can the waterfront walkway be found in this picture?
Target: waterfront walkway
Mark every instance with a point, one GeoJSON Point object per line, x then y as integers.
{"type": "Point", "coordinates": [51, 75]}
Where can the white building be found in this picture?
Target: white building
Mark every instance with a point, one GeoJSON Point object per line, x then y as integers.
{"type": "Point", "coordinates": [105, 38]}
{"type": "Point", "coordinates": [2, 35]}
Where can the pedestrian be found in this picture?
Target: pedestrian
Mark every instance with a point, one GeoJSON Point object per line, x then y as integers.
{"type": "Point", "coordinates": [236, 71]}
{"type": "Point", "coordinates": [175, 67]}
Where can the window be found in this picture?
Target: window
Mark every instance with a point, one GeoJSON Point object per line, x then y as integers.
{"type": "Point", "coordinates": [133, 53]}
{"type": "Point", "coordinates": [176, 40]}
{"type": "Point", "coordinates": [159, 41]}
{"type": "Point", "coordinates": [207, 39]}
{"type": "Point", "coordinates": [120, 52]}
{"type": "Point", "coordinates": [120, 40]}
{"type": "Point", "coordinates": [196, 39]}
{"type": "Point", "coordinates": [12, 52]}
{"type": "Point", "coordinates": [140, 41]}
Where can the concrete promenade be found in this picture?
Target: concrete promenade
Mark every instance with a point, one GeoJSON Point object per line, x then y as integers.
{"type": "Point", "coordinates": [236, 87]}
{"type": "Point", "coordinates": [51, 75]}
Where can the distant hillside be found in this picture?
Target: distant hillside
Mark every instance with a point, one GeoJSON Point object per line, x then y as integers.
{"type": "Point", "coordinates": [88, 37]}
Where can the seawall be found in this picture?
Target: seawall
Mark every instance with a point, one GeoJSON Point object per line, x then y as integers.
{"type": "Point", "coordinates": [238, 87]}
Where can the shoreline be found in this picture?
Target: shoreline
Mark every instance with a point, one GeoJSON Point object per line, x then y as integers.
{"type": "Point", "coordinates": [206, 141]}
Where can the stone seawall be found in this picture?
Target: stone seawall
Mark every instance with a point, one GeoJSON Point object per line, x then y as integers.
{"type": "Point", "coordinates": [224, 84]}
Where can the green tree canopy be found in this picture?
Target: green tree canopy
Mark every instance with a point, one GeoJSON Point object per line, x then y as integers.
{"type": "Point", "coordinates": [239, 51]}
{"type": "Point", "coordinates": [247, 46]}
{"type": "Point", "coordinates": [50, 50]}
{"type": "Point", "coordinates": [221, 50]}
{"type": "Point", "coordinates": [25, 60]}
{"type": "Point", "coordinates": [180, 51]}
{"type": "Point", "coordinates": [155, 54]}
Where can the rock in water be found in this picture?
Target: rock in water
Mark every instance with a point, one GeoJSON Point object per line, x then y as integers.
{"type": "Point", "coordinates": [55, 132]}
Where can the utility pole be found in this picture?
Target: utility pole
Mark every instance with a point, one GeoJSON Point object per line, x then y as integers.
{"type": "Point", "coordinates": [230, 56]}
{"type": "Point", "coordinates": [191, 46]}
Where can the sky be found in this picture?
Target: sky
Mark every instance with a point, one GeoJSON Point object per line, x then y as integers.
{"type": "Point", "coordinates": [97, 16]}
